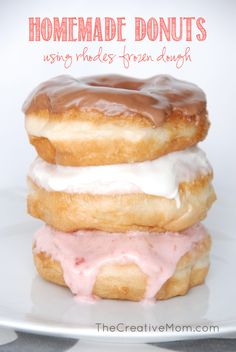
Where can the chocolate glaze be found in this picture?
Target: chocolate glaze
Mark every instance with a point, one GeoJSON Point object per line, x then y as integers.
{"type": "Point", "coordinates": [155, 98]}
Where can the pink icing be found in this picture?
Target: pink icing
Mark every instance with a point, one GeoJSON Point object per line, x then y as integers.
{"type": "Point", "coordinates": [82, 253]}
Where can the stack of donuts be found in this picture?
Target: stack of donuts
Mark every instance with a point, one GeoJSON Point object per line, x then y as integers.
{"type": "Point", "coordinates": [121, 185]}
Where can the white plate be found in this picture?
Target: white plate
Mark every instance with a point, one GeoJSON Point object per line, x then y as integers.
{"type": "Point", "coordinates": [28, 303]}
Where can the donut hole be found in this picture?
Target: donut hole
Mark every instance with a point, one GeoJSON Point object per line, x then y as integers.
{"type": "Point", "coordinates": [117, 82]}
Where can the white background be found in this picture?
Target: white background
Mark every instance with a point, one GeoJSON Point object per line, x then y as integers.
{"type": "Point", "coordinates": [212, 68]}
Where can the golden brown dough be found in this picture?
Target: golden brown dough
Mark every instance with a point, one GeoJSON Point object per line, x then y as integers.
{"type": "Point", "coordinates": [122, 212]}
{"type": "Point", "coordinates": [128, 282]}
{"type": "Point", "coordinates": [123, 140]}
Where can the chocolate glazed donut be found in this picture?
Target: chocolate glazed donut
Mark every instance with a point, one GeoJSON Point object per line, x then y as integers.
{"type": "Point", "coordinates": [114, 119]}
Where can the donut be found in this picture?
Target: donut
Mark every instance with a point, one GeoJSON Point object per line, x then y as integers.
{"type": "Point", "coordinates": [170, 193]}
{"type": "Point", "coordinates": [136, 266]}
{"type": "Point", "coordinates": [121, 185]}
{"type": "Point", "coordinates": [114, 119]}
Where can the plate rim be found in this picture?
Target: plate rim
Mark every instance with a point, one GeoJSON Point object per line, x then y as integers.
{"type": "Point", "coordinates": [90, 333]}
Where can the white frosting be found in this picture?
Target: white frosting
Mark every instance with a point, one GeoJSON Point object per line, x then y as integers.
{"type": "Point", "coordinates": [160, 177]}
